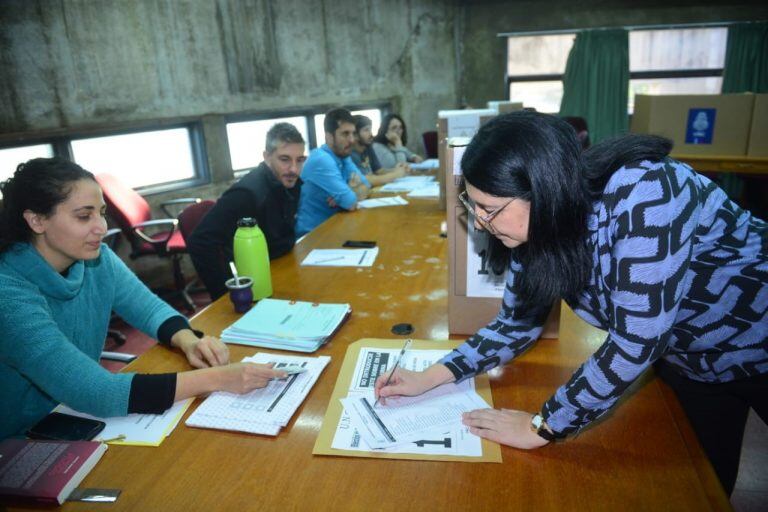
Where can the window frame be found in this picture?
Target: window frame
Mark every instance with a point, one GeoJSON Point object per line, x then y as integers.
{"type": "Point", "coordinates": [633, 75]}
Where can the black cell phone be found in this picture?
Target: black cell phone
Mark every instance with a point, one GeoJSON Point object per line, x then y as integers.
{"type": "Point", "coordinates": [362, 244]}
{"type": "Point", "coordinates": [65, 427]}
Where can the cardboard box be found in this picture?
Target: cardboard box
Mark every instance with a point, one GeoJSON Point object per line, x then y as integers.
{"type": "Point", "coordinates": [466, 315]}
{"type": "Point", "coordinates": [758, 134]}
{"type": "Point", "coordinates": [704, 124]}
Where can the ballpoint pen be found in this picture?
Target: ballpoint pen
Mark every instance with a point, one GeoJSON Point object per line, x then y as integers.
{"type": "Point", "coordinates": [397, 363]}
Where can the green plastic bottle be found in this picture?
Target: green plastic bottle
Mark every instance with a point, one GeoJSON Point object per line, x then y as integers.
{"type": "Point", "coordinates": [252, 257]}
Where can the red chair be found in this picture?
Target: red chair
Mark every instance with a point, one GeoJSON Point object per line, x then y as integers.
{"type": "Point", "coordinates": [148, 236]}
{"type": "Point", "coordinates": [430, 144]}
{"type": "Point", "coordinates": [188, 221]}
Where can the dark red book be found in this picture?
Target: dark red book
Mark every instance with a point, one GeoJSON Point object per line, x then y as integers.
{"type": "Point", "coordinates": [34, 471]}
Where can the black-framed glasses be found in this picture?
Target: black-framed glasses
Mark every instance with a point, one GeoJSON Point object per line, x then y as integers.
{"type": "Point", "coordinates": [485, 220]}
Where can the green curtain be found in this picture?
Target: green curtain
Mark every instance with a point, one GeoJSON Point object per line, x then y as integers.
{"type": "Point", "coordinates": [596, 82]}
{"type": "Point", "coordinates": [746, 58]}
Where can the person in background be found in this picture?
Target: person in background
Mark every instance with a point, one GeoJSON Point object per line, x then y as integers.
{"type": "Point", "coordinates": [365, 158]}
{"type": "Point", "coordinates": [389, 143]}
{"type": "Point", "coordinates": [332, 181]}
{"type": "Point", "coordinates": [582, 131]}
{"type": "Point", "coordinates": [59, 286]}
{"type": "Point", "coordinates": [637, 244]}
{"type": "Point", "coordinates": [269, 193]}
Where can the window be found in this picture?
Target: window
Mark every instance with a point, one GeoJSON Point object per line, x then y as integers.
{"type": "Point", "coordinates": [10, 158]}
{"type": "Point", "coordinates": [661, 61]}
{"type": "Point", "coordinates": [676, 61]}
{"type": "Point", "coordinates": [247, 139]}
{"type": "Point", "coordinates": [373, 113]}
{"type": "Point", "coordinates": [140, 159]}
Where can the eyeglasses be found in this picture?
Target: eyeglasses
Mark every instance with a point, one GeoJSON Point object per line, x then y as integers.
{"type": "Point", "coordinates": [486, 219]}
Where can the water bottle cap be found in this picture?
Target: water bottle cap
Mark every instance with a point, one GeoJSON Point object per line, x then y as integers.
{"type": "Point", "coordinates": [246, 222]}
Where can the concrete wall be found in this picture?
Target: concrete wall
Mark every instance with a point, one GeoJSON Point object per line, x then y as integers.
{"type": "Point", "coordinates": [483, 54]}
{"type": "Point", "coordinates": [69, 64]}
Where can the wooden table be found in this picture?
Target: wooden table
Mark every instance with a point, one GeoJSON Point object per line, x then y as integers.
{"type": "Point", "coordinates": [725, 163]}
{"type": "Point", "coordinates": [642, 458]}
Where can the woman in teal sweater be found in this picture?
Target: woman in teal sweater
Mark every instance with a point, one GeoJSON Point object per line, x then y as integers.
{"type": "Point", "coordinates": [59, 284]}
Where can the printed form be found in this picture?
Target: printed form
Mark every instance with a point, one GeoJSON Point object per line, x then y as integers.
{"type": "Point", "coordinates": [266, 410]}
{"type": "Point", "coordinates": [428, 424]}
{"type": "Point", "coordinates": [341, 257]}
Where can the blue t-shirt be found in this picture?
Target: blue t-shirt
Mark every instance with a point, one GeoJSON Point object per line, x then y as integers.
{"type": "Point", "coordinates": [325, 175]}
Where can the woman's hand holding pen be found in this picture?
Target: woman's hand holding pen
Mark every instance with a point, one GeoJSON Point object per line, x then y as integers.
{"type": "Point", "coordinates": [408, 383]}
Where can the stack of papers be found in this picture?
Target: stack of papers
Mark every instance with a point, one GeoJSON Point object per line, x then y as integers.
{"type": "Point", "coordinates": [137, 429]}
{"type": "Point", "coordinates": [427, 424]}
{"type": "Point", "coordinates": [266, 410]}
{"type": "Point", "coordinates": [341, 257]}
{"type": "Point", "coordinates": [425, 165]}
{"type": "Point", "coordinates": [414, 186]}
{"type": "Point", "coordinates": [287, 325]}
{"type": "Point", "coordinates": [382, 201]}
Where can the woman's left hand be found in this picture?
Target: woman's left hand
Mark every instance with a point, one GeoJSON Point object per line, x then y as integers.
{"type": "Point", "coordinates": [505, 426]}
{"type": "Point", "coordinates": [201, 352]}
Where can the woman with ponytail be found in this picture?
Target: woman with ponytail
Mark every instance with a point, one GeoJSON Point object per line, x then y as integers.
{"type": "Point", "coordinates": [59, 284]}
{"type": "Point", "coordinates": [637, 244]}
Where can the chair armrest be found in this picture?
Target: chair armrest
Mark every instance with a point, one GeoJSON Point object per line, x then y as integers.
{"type": "Point", "coordinates": [158, 243]}
{"type": "Point", "coordinates": [177, 202]}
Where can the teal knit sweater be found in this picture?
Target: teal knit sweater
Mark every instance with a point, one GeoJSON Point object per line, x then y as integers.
{"type": "Point", "coordinates": [52, 331]}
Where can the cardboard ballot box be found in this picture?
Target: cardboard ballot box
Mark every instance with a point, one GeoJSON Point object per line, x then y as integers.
{"type": "Point", "coordinates": [468, 313]}
{"type": "Point", "coordinates": [758, 134]}
{"type": "Point", "coordinates": [703, 124]}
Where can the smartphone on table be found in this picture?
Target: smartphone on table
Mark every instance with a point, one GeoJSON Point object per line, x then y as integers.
{"type": "Point", "coordinates": [361, 244]}
{"type": "Point", "coordinates": [58, 426]}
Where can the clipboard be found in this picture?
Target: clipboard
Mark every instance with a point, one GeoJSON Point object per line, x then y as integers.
{"type": "Point", "coordinates": [491, 451]}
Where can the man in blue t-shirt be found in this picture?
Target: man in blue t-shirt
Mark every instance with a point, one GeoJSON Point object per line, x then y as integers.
{"type": "Point", "coordinates": [332, 182]}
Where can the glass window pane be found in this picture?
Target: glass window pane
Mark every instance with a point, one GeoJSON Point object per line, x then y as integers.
{"type": "Point", "coordinates": [696, 85]}
{"type": "Point", "coordinates": [139, 159]}
{"type": "Point", "coordinates": [10, 158]}
{"type": "Point", "coordinates": [538, 55]}
{"type": "Point", "coordinates": [247, 139]}
{"type": "Point", "coordinates": [675, 49]}
{"type": "Point", "coordinates": [374, 114]}
{"type": "Point", "coordinates": [543, 96]}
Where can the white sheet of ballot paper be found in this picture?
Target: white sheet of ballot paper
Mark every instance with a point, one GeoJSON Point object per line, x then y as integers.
{"type": "Point", "coordinates": [438, 428]}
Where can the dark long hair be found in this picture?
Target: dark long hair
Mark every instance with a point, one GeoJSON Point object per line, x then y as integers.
{"type": "Point", "coordinates": [537, 157]}
{"type": "Point", "coordinates": [38, 185]}
{"type": "Point", "coordinates": [381, 136]}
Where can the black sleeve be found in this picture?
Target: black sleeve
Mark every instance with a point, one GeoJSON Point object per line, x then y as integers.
{"type": "Point", "coordinates": [373, 160]}
{"type": "Point", "coordinates": [210, 246]}
{"type": "Point", "coordinates": [170, 327]}
{"type": "Point", "coordinates": [152, 394]}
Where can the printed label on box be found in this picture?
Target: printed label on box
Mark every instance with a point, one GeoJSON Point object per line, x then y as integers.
{"type": "Point", "coordinates": [701, 124]}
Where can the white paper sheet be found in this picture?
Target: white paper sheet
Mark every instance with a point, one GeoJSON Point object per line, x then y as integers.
{"type": "Point", "coordinates": [425, 165]}
{"type": "Point", "coordinates": [265, 410]}
{"type": "Point", "coordinates": [451, 439]}
{"type": "Point", "coordinates": [431, 191]}
{"type": "Point", "coordinates": [382, 201]}
{"type": "Point", "coordinates": [341, 257]}
{"type": "Point", "coordinates": [137, 429]}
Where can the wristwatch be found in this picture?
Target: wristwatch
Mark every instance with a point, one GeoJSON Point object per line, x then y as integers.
{"type": "Point", "coordinates": [540, 427]}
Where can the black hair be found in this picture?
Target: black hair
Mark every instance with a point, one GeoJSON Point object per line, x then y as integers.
{"type": "Point", "coordinates": [381, 136]}
{"type": "Point", "coordinates": [361, 122]}
{"type": "Point", "coordinates": [536, 157]}
{"type": "Point", "coordinates": [334, 118]}
{"type": "Point", "coordinates": [38, 185]}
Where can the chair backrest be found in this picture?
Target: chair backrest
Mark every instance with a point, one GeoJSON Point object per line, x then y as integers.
{"type": "Point", "coordinates": [191, 217]}
{"type": "Point", "coordinates": [126, 206]}
{"type": "Point", "coordinates": [430, 143]}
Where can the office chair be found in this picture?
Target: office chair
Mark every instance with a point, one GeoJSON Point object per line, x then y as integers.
{"type": "Point", "coordinates": [430, 144]}
{"type": "Point", "coordinates": [148, 236]}
{"type": "Point", "coordinates": [189, 218]}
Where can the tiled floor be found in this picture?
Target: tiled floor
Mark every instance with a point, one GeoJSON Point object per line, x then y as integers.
{"type": "Point", "coordinates": [750, 494]}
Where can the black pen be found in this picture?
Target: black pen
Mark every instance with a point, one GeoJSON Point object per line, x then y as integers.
{"type": "Point", "coordinates": [397, 363]}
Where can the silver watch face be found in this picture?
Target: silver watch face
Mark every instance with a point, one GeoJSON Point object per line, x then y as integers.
{"type": "Point", "coordinates": [536, 421]}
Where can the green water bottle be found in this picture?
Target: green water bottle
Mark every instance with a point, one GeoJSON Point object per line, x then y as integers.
{"type": "Point", "coordinates": [252, 257]}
